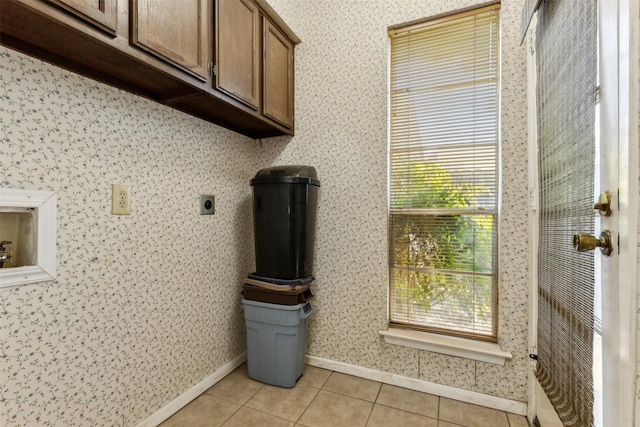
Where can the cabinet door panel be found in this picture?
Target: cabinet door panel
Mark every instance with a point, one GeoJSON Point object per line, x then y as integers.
{"type": "Point", "coordinates": [278, 75]}
{"type": "Point", "coordinates": [174, 30]}
{"type": "Point", "coordinates": [237, 52]}
{"type": "Point", "coordinates": [101, 13]}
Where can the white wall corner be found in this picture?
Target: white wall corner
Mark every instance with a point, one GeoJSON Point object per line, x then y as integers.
{"type": "Point", "coordinates": [185, 398]}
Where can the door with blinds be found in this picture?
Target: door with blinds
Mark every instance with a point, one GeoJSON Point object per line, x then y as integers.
{"type": "Point", "coordinates": [585, 333]}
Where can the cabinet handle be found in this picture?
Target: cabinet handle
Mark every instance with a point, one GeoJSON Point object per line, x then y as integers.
{"type": "Point", "coordinates": [211, 68]}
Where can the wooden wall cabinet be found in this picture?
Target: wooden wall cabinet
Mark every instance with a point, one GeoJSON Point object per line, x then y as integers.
{"type": "Point", "coordinates": [237, 53]}
{"type": "Point", "coordinates": [101, 13]}
{"type": "Point", "coordinates": [254, 60]}
{"type": "Point", "coordinates": [236, 72]}
{"type": "Point", "coordinates": [175, 31]}
{"type": "Point", "coordinates": [277, 75]}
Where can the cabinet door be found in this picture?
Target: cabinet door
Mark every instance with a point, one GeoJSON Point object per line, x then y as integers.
{"type": "Point", "coordinates": [174, 30]}
{"type": "Point", "coordinates": [278, 75]}
{"type": "Point", "coordinates": [237, 51]}
{"type": "Point", "coordinates": [101, 13]}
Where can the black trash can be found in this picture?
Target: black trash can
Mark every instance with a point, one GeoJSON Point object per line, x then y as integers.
{"type": "Point", "coordinates": [284, 218]}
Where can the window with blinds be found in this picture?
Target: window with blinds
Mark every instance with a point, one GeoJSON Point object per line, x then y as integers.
{"type": "Point", "coordinates": [444, 174]}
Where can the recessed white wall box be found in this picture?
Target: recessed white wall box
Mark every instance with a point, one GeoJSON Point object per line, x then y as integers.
{"type": "Point", "coordinates": [42, 206]}
{"type": "Point", "coordinates": [207, 205]}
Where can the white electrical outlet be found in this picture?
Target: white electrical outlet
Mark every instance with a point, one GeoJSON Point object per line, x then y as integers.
{"type": "Point", "coordinates": [120, 200]}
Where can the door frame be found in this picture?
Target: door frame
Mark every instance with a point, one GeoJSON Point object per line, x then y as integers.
{"type": "Point", "coordinates": [619, 22]}
{"type": "Point", "coordinates": [618, 45]}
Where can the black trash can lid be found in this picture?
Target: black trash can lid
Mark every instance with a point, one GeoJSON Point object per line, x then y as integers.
{"type": "Point", "coordinates": [293, 174]}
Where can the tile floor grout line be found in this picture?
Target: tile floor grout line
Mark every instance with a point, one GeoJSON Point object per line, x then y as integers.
{"type": "Point", "coordinates": [369, 416]}
{"type": "Point", "coordinates": [228, 399]}
{"type": "Point", "coordinates": [231, 416]}
{"type": "Point", "coordinates": [307, 407]}
{"type": "Point", "coordinates": [378, 393]}
{"type": "Point", "coordinates": [253, 395]}
{"type": "Point", "coordinates": [266, 413]}
{"type": "Point", "coordinates": [343, 394]}
{"type": "Point", "coordinates": [407, 411]}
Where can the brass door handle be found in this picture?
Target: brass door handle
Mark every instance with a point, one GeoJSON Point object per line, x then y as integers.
{"type": "Point", "coordinates": [583, 242]}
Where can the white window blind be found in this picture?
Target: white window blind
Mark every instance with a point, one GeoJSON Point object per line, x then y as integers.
{"type": "Point", "coordinates": [444, 174]}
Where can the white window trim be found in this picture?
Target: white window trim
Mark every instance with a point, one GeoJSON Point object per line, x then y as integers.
{"type": "Point", "coordinates": [482, 351]}
{"type": "Point", "coordinates": [46, 203]}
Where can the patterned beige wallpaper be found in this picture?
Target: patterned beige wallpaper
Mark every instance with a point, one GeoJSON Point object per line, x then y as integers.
{"type": "Point", "coordinates": [341, 119]}
{"type": "Point", "coordinates": [146, 305]}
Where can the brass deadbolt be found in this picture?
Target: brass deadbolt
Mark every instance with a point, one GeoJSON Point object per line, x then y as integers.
{"type": "Point", "coordinates": [603, 205]}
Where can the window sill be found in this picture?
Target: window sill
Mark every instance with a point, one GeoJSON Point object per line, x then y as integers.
{"type": "Point", "coordinates": [461, 347]}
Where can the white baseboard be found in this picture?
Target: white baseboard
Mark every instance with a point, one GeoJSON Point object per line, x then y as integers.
{"type": "Point", "coordinates": [468, 396]}
{"type": "Point", "coordinates": [195, 391]}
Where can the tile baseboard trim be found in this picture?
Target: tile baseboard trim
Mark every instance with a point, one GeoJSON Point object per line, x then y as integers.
{"type": "Point", "coordinates": [184, 399]}
{"type": "Point", "coordinates": [468, 396]}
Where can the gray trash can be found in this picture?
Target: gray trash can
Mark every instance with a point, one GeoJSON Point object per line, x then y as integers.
{"type": "Point", "coordinates": [276, 341]}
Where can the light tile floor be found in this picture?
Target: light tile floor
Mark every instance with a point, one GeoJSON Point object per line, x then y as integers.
{"type": "Point", "coordinates": [325, 398]}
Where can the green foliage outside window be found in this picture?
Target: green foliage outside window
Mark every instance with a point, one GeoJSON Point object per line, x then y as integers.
{"type": "Point", "coordinates": [435, 255]}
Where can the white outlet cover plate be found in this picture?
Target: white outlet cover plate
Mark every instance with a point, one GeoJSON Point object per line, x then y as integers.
{"type": "Point", "coordinates": [121, 199]}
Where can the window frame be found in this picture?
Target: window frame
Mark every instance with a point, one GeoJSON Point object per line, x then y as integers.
{"type": "Point", "coordinates": [494, 213]}
{"type": "Point", "coordinates": [45, 204]}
